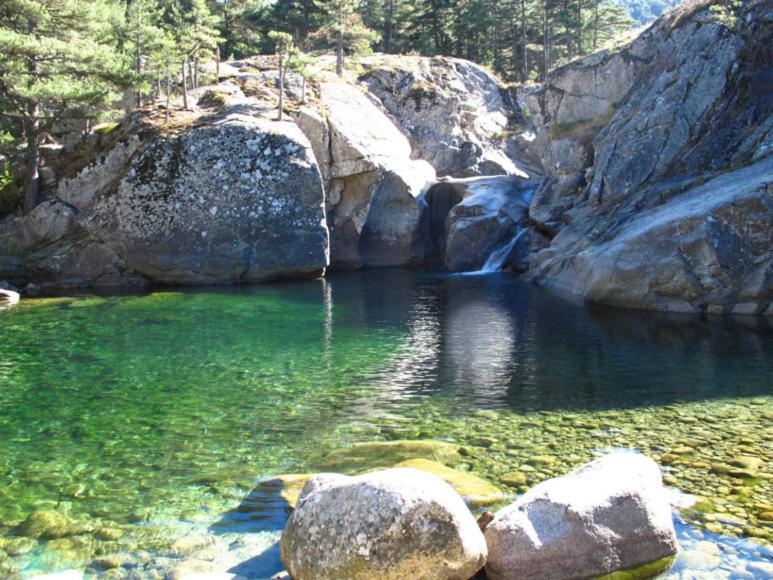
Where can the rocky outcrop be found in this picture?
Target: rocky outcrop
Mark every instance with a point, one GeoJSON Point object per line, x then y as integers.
{"type": "Point", "coordinates": [234, 198]}
{"type": "Point", "coordinates": [609, 515]}
{"type": "Point", "coordinates": [629, 140]}
{"type": "Point", "coordinates": [393, 524]}
{"type": "Point", "coordinates": [709, 249]}
{"type": "Point", "coordinates": [373, 211]}
{"type": "Point", "coordinates": [455, 113]}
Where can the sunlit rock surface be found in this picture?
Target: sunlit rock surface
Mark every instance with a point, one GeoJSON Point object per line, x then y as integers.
{"type": "Point", "coordinates": [393, 524]}
{"type": "Point", "coordinates": [611, 514]}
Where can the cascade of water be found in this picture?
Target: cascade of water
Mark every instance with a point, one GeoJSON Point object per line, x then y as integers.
{"type": "Point", "coordinates": [497, 258]}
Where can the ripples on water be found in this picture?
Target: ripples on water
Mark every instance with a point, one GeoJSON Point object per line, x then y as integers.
{"type": "Point", "coordinates": [144, 408]}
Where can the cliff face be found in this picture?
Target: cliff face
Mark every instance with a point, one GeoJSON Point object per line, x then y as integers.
{"type": "Point", "coordinates": [637, 177]}
{"type": "Point", "coordinates": [659, 186]}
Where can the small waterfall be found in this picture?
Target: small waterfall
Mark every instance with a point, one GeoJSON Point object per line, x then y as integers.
{"type": "Point", "coordinates": [497, 258]}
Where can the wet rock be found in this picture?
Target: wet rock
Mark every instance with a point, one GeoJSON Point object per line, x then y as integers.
{"type": "Point", "coordinates": [482, 215]}
{"type": "Point", "coordinates": [392, 524]}
{"type": "Point", "coordinates": [611, 514]}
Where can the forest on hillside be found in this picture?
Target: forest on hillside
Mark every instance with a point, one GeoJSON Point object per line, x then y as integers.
{"type": "Point", "coordinates": [79, 59]}
{"type": "Point", "coordinates": [644, 11]}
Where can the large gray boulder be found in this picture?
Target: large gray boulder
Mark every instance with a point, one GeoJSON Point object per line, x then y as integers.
{"type": "Point", "coordinates": [236, 200]}
{"type": "Point", "coordinates": [392, 524]}
{"type": "Point", "coordinates": [373, 209]}
{"type": "Point", "coordinates": [234, 197]}
{"type": "Point", "coordinates": [455, 113]}
{"type": "Point", "coordinates": [611, 514]}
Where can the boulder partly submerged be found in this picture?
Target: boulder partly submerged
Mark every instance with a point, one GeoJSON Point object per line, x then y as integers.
{"type": "Point", "coordinates": [609, 515]}
{"type": "Point", "coordinates": [392, 524]}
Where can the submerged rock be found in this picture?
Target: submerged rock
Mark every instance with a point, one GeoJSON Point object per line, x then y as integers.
{"type": "Point", "coordinates": [389, 453]}
{"type": "Point", "coordinates": [476, 491]}
{"type": "Point", "coordinates": [47, 524]}
{"type": "Point", "coordinates": [611, 514]}
{"type": "Point", "coordinates": [393, 524]}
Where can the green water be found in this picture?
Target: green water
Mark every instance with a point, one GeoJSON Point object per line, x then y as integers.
{"type": "Point", "coordinates": [141, 417]}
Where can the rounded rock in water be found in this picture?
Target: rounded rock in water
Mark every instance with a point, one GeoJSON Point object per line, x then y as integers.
{"type": "Point", "coordinates": [393, 524]}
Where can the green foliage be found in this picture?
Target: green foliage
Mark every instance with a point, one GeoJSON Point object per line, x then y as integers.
{"type": "Point", "coordinates": [343, 29]}
{"type": "Point", "coordinates": [644, 11]}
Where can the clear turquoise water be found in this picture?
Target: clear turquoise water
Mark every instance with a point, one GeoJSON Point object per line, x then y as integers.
{"type": "Point", "coordinates": [148, 411]}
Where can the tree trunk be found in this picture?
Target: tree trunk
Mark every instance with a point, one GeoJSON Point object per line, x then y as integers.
{"type": "Point", "coordinates": [32, 176]}
{"type": "Point", "coordinates": [578, 6]}
{"type": "Point", "coordinates": [185, 86]}
{"type": "Point", "coordinates": [495, 36]}
{"type": "Point", "coordinates": [523, 42]}
{"type": "Point", "coordinates": [157, 94]}
{"type": "Point", "coordinates": [217, 65]}
{"type": "Point", "coordinates": [303, 92]}
{"type": "Point", "coordinates": [389, 25]}
{"type": "Point", "coordinates": [281, 86]}
{"type": "Point", "coordinates": [340, 54]}
{"type": "Point", "coordinates": [168, 93]}
{"type": "Point", "coordinates": [196, 74]}
{"type": "Point", "coordinates": [138, 55]}
{"type": "Point", "coordinates": [190, 74]}
{"type": "Point", "coordinates": [545, 41]}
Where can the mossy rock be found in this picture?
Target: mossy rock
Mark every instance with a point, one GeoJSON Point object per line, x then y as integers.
{"type": "Point", "coordinates": [476, 491]}
{"type": "Point", "coordinates": [514, 478]}
{"type": "Point", "coordinates": [367, 456]}
{"type": "Point", "coordinates": [47, 524]}
{"type": "Point", "coordinates": [648, 570]}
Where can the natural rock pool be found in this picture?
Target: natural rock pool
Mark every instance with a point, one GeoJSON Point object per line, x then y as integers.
{"type": "Point", "coordinates": [135, 427]}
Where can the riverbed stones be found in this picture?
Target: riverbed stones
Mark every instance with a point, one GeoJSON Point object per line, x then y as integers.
{"type": "Point", "coordinates": [611, 514]}
{"type": "Point", "coordinates": [393, 524]}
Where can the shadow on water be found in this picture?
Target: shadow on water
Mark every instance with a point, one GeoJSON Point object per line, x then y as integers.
{"type": "Point", "coordinates": [262, 510]}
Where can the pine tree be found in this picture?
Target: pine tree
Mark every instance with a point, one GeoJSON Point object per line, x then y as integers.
{"type": "Point", "coordinates": [344, 29]}
{"type": "Point", "coordinates": [59, 60]}
{"type": "Point", "coordinates": [283, 43]}
{"type": "Point", "coordinates": [303, 64]}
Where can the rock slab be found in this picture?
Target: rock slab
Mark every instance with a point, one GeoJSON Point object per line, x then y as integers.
{"type": "Point", "coordinates": [611, 514]}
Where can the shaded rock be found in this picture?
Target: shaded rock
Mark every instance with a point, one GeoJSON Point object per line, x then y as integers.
{"type": "Point", "coordinates": [611, 514]}
{"type": "Point", "coordinates": [397, 523]}
{"type": "Point", "coordinates": [709, 247]}
{"type": "Point", "coordinates": [388, 453]}
{"type": "Point", "coordinates": [481, 215]}
{"type": "Point", "coordinates": [373, 212]}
